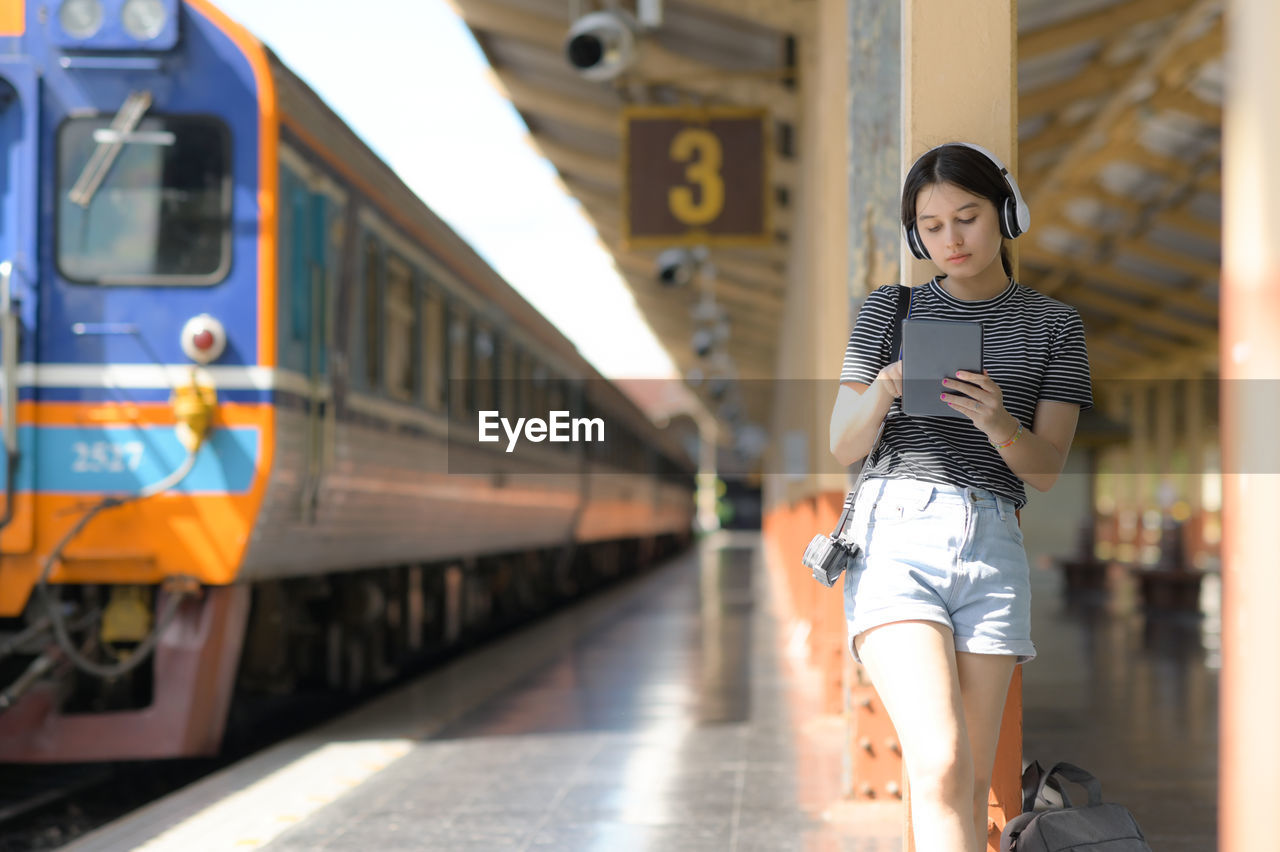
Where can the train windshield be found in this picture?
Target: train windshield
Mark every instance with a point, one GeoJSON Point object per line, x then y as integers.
{"type": "Point", "coordinates": [151, 205]}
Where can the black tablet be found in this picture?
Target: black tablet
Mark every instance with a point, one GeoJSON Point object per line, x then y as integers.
{"type": "Point", "coordinates": [931, 351]}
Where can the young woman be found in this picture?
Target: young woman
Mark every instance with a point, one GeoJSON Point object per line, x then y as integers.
{"type": "Point", "coordinates": [938, 601]}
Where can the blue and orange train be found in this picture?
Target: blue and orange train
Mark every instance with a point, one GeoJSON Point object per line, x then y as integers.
{"type": "Point", "coordinates": [234, 344]}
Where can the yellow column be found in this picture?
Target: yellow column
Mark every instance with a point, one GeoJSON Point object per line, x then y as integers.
{"type": "Point", "coordinates": [959, 82]}
{"type": "Point", "coordinates": [1250, 357]}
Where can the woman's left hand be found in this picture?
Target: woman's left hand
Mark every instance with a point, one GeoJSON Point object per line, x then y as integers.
{"type": "Point", "coordinates": [982, 402]}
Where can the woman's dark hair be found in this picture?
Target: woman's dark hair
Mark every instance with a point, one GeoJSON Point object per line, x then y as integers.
{"type": "Point", "coordinates": [963, 167]}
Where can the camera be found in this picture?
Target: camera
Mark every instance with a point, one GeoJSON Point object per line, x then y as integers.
{"type": "Point", "coordinates": [704, 340]}
{"type": "Point", "coordinates": [676, 267]}
{"type": "Point", "coordinates": [601, 45]}
{"type": "Point", "coordinates": [827, 558]}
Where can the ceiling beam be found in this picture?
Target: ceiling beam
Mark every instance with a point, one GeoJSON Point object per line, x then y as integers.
{"type": "Point", "coordinates": [1124, 365]}
{"type": "Point", "coordinates": [1189, 27]}
{"type": "Point", "coordinates": [1182, 219]}
{"type": "Point", "coordinates": [1185, 102]}
{"type": "Point", "coordinates": [723, 289]}
{"type": "Point", "coordinates": [1087, 27]}
{"type": "Point", "coordinates": [788, 16]}
{"type": "Point", "coordinates": [1097, 79]}
{"type": "Point", "coordinates": [676, 337]}
{"type": "Point", "coordinates": [537, 100]}
{"type": "Point", "coordinates": [1126, 310]}
{"type": "Point", "coordinates": [572, 161]}
{"type": "Point", "coordinates": [741, 271]}
{"type": "Point", "coordinates": [654, 63]}
{"type": "Point", "coordinates": [1090, 270]}
{"type": "Point", "coordinates": [1131, 151]}
{"type": "Point", "coordinates": [1199, 268]}
{"type": "Point", "coordinates": [1183, 263]}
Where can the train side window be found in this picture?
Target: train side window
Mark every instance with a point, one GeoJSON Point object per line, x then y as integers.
{"type": "Point", "coordinates": [372, 315]}
{"type": "Point", "coordinates": [459, 362]}
{"type": "Point", "coordinates": [401, 324]}
{"type": "Point", "coordinates": [556, 402]}
{"type": "Point", "coordinates": [515, 380]}
{"type": "Point", "coordinates": [508, 390]}
{"type": "Point", "coordinates": [433, 349]}
{"type": "Point", "coordinates": [555, 396]}
{"type": "Point", "coordinates": [539, 381]}
{"type": "Point", "coordinates": [483, 348]}
{"type": "Point", "coordinates": [595, 449]}
{"type": "Point", "coordinates": [525, 390]}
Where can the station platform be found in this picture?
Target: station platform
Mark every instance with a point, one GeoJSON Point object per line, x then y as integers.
{"type": "Point", "coordinates": [662, 714]}
{"type": "Point", "coordinates": [667, 713]}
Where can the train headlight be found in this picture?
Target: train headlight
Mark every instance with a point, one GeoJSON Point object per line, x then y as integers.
{"type": "Point", "coordinates": [203, 339]}
{"type": "Point", "coordinates": [80, 18]}
{"type": "Point", "coordinates": [144, 19]}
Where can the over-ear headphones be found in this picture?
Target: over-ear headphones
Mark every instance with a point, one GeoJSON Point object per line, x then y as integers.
{"type": "Point", "coordinates": [1014, 215]}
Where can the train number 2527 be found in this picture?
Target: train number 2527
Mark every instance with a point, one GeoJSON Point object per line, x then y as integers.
{"type": "Point", "coordinates": [106, 456]}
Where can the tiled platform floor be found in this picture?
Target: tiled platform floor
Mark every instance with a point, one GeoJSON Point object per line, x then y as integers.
{"type": "Point", "coordinates": [664, 727]}
{"type": "Point", "coordinates": [661, 715]}
{"type": "Point", "coordinates": [1133, 699]}
{"type": "Point", "coordinates": [666, 715]}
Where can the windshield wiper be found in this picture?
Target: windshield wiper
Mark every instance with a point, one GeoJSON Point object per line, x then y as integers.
{"type": "Point", "coordinates": [95, 171]}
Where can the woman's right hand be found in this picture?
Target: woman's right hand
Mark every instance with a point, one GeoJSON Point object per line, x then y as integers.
{"type": "Point", "coordinates": [890, 380]}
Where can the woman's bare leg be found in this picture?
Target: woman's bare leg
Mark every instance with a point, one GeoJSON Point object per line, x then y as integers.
{"type": "Point", "coordinates": [984, 687]}
{"type": "Point", "coordinates": [912, 665]}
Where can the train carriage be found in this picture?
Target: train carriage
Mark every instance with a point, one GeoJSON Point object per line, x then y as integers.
{"type": "Point", "coordinates": [235, 345]}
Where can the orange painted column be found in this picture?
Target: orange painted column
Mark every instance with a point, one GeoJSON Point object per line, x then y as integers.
{"type": "Point", "coordinates": [1250, 404]}
{"type": "Point", "coordinates": [819, 610]}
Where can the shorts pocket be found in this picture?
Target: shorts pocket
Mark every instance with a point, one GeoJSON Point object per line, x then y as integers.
{"type": "Point", "coordinates": [1015, 529]}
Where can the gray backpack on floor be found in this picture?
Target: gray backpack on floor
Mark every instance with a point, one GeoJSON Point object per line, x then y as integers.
{"type": "Point", "coordinates": [1097, 826]}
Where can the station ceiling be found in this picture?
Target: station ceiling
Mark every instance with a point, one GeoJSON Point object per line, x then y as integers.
{"type": "Point", "coordinates": [1120, 118]}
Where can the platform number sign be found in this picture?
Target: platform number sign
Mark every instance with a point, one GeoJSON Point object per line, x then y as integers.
{"type": "Point", "coordinates": [695, 176]}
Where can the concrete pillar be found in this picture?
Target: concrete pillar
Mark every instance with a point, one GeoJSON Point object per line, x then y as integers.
{"type": "Point", "coordinates": [803, 496]}
{"type": "Point", "coordinates": [874, 114]}
{"type": "Point", "coordinates": [959, 81]}
{"type": "Point", "coordinates": [1250, 408]}
{"type": "Point", "coordinates": [708, 443]}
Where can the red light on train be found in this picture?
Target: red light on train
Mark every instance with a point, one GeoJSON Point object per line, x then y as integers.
{"type": "Point", "coordinates": [203, 339]}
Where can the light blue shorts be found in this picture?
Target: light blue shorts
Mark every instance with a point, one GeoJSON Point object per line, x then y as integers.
{"type": "Point", "coordinates": [939, 553]}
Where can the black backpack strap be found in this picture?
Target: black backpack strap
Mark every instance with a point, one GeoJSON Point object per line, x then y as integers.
{"type": "Point", "coordinates": [1031, 785]}
{"type": "Point", "coordinates": [903, 311]}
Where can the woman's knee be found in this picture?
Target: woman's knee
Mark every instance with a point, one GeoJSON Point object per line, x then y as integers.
{"type": "Point", "coordinates": [981, 794]}
{"type": "Point", "coordinates": [941, 777]}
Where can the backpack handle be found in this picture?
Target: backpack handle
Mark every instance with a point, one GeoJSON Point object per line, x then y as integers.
{"type": "Point", "coordinates": [1068, 772]}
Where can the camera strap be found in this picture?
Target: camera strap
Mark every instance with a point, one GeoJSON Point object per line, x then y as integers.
{"type": "Point", "coordinates": [903, 310]}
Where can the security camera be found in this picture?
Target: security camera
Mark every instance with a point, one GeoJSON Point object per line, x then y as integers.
{"type": "Point", "coordinates": [601, 45]}
{"type": "Point", "coordinates": [676, 267]}
{"type": "Point", "coordinates": [704, 340]}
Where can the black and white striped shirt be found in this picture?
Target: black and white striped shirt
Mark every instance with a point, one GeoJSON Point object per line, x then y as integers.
{"type": "Point", "coordinates": [1032, 346]}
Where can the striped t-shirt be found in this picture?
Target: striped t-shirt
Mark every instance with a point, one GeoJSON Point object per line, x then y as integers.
{"type": "Point", "coordinates": [1033, 348]}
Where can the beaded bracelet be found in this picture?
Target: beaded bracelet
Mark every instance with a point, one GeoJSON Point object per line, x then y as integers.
{"type": "Point", "coordinates": [1010, 442]}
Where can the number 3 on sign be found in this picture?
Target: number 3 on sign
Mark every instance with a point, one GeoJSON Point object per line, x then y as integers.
{"type": "Point", "coordinates": [106, 457]}
{"type": "Point", "coordinates": [704, 172]}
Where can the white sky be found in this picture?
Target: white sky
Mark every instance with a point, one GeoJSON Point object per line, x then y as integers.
{"type": "Point", "coordinates": [408, 77]}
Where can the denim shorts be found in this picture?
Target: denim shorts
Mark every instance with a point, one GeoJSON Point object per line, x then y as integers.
{"type": "Point", "coordinates": [940, 553]}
